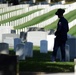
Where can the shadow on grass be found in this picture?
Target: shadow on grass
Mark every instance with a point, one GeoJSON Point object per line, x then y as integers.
{"type": "Point", "coordinates": [41, 62]}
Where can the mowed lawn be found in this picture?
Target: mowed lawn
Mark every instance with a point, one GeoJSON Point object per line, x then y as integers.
{"type": "Point", "coordinates": [73, 31]}
{"type": "Point", "coordinates": [70, 17]}
{"type": "Point", "coordinates": [19, 16]}
{"type": "Point", "coordinates": [41, 62]}
{"type": "Point", "coordinates": [37, 20]}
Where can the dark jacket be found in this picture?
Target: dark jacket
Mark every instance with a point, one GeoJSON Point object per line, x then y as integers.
{"type": "Point", "coordinates": [62, 29]}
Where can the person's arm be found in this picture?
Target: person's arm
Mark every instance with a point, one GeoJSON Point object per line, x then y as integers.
{"type": "Point", "coordinates": [59, 28]}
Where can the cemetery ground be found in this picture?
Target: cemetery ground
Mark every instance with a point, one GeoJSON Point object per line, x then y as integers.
{"type": "Point", "coordinates": [41, 62]}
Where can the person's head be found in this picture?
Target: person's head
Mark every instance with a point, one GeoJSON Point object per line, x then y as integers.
{"type": "Point", "coordinates": [60, 12]}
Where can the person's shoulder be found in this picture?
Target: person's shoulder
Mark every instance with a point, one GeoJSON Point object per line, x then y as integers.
{"type": "Point", "coordinates": [65, 20]}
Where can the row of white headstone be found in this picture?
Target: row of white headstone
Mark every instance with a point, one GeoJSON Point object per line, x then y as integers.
{"type": "Point", "coordinates": [25, 19]}
{"type": "Point", "coordinates": [54, 18]}
{"type": "Point", "coordinates": [3, 5]}
{"type": "Point", "coordinates": [46, 42]}
{"type": "Point", "coordinates": [5, 30]}
{"type": "Point", "coordinates": [28, 8]}
{"type": "Point", "coordinates": [22, 50]}
{"type": "Point", "coordinates": [6, 9]}
{"type": "Point", "coordinates": [30, 17]}
{"type": "Point", "coordinates": [18, 12]}
{"type": "Point", "coordinates": [26, 49]}
{"type": "Point", "coordinates": [70, 50]}
{"type": "Point", "coordinates": [38, 36]}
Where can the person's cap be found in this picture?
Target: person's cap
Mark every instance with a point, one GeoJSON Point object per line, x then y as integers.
{"type": "Point", "coordinates": [60, 12]}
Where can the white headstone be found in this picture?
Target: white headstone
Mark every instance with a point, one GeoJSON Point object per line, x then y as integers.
{"type": "Point", "coordinates": [36, 36]}
{"type": "Point", "coordinates": [10, 41]}
{"type": "Point", "coordinates": [9, 38]}
{"type": "Point", "coordinates": [28, 49]}
{"type": "Point", "coordinates": [19, 49]}
{"type": "Point", "coordinates": [4, 30]}
{"type": "Point", "coordinates": [50, 39]}
{"type": "Point", "coordinates": [75, 66]}
{"type": "Point", "coordinates": [43, 46]}
{"type": "Point", "coordinates": [67, 53]}
{"type": "Point", "coordinates": [72, 44]}
{"type": "Point", "coordinates": [4, 48]}
{"type": "Point", "coordinates": [16, 41]}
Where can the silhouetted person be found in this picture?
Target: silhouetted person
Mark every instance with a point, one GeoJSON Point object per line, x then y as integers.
{"type": "Point", "coordinates": [61, 35]}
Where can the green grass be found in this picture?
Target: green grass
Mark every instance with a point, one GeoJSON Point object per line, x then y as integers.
{"type": "Point", "coordinates": [41, 62]}
{"type": "Point", "coordinates": [70, 17]}
{"type": "Point", "coordinates": [18, 17]}
{"type": "Point", "coordinates": [49, 67]}
{"type": "Point", "coordinates": [37, 20]}
{"type": "Point", "coordinates": [73, 31]}
{"type": "Point", "coordinates": [51, 26]}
